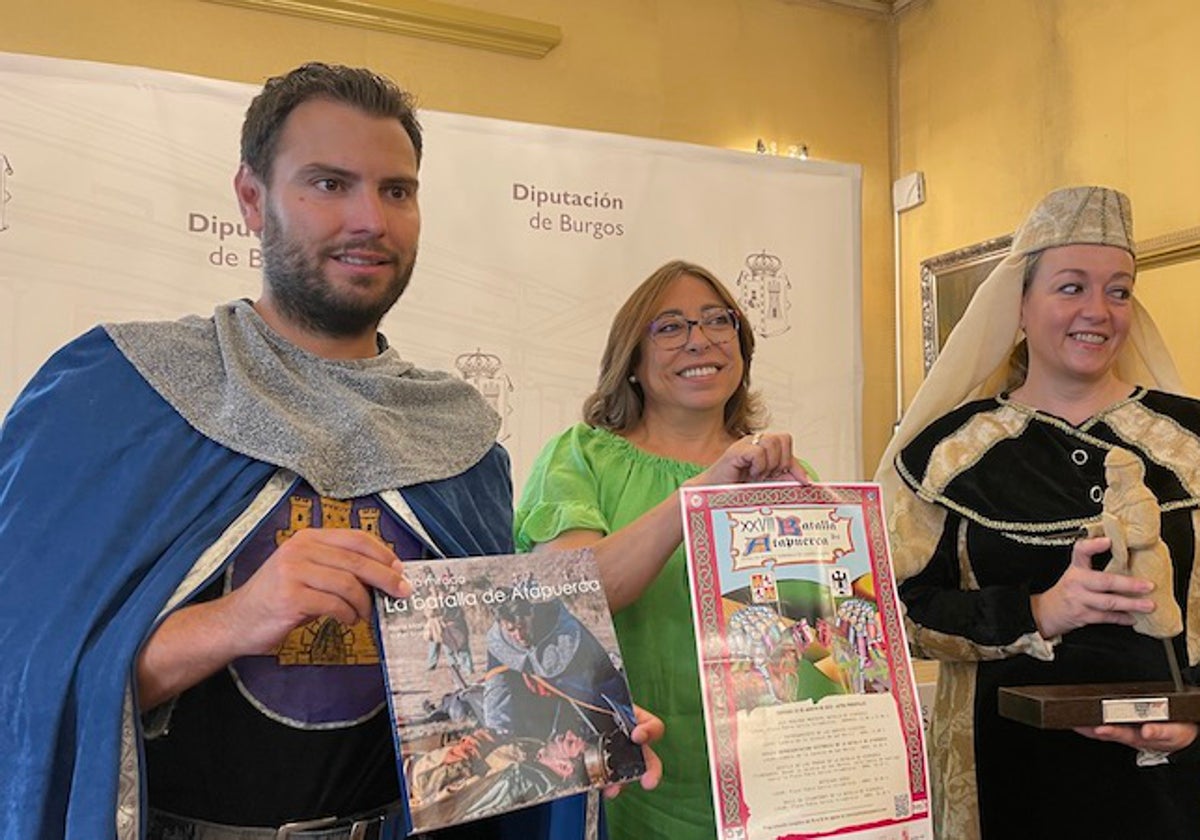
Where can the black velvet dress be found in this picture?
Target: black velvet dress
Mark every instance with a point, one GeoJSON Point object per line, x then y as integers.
{"type": "Point", "coordinates": [995, 496]}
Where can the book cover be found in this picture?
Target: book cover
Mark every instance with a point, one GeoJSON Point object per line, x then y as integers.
{"type": "Point", "coordinates": [811, 710]}
{"type": "Point", "coordinates": [506, 685]}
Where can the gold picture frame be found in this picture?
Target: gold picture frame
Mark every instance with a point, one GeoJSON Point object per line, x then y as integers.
{"type": "Point", "coordinates": [947, 283]}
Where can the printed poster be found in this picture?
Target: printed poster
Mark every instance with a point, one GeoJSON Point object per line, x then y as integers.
{"type": "Point", "coordinates": [811, 710]}
{"type": "Point", "coordinates": [506, 685]}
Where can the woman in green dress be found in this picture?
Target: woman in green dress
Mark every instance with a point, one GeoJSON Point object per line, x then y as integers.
{"type": "Point", "coordinates": [672, 407]}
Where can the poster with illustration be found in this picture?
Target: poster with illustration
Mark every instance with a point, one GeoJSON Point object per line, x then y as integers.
{"type": "Point", "coordinates": [506, 685]}
{"type": "Point", "coordinates": [811, 710]}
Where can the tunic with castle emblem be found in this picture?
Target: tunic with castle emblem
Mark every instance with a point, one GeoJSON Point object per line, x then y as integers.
{"type": "Point", "coordinates": [133, 467]}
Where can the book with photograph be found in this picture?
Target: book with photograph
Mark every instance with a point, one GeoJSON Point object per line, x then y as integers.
{"type": "Point", "coordinates": [506, 685]}
{"type": "Point", "coordinates": [810, 706]}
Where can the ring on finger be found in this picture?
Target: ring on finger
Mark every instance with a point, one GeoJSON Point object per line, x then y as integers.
{"type": "Point", "coordinates": [757, 439]}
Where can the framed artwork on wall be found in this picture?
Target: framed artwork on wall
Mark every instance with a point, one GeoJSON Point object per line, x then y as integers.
{"type": "Point", "coordinates": [947, 283]}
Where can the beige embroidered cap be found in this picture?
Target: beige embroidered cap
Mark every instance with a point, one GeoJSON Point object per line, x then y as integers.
{"type": "Point", "coordinates": [1077, 216]}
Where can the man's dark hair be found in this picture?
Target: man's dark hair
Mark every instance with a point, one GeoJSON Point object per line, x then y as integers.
{"type": "Point", "coordinates": [355, 86]}
{"type": "Point", "coordinates": [513, 610]}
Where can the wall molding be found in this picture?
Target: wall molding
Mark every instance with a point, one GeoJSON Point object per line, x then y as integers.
{"type": "Point", "coordinates": [881, 8]}
{"type": "Point", "coordinates": [428, 19]}
{"type": "Point", "coordinates": [1170, 248]}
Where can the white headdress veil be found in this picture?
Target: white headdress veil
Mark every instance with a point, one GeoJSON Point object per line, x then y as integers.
{"type": "Point", "coordinates": [975, 361]}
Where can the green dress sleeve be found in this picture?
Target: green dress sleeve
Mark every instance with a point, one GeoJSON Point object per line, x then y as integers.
{"type": "Point", "coordinates": [562, 492]}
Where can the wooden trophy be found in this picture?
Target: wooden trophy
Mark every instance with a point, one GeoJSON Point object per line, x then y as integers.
{"type": "Point", "coordinates": [1131, 519]}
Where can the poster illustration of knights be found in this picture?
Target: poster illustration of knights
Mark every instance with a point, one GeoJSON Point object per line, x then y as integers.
{"type": "Point", "coordinates": [506, 685]}
{"type": "Point", "coordinates": [801, 641]}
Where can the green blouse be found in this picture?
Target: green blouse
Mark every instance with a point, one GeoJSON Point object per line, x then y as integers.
{"type": "Point", "coordinates": [591, 479]}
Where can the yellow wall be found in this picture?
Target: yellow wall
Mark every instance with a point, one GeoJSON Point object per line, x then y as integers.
{"type": "Point", "coordinates": [715, 72]}
{"type": "Point", "coordinates": [1000, 101]}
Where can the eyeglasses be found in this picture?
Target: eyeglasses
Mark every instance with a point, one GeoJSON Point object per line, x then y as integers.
{"type": "Point", "coordinates": [670, 332]}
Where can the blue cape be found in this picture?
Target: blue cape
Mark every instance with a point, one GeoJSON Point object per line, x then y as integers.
{"type": "Point", "coordinates": [107, 498]}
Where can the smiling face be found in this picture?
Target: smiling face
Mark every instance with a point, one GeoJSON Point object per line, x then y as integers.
{"type": "Point", "coordinates": [699, 376]}
{"type": "Point", "coordinates": [339, 219]}
{"type": "Point", "coordinates": [1077, 311]}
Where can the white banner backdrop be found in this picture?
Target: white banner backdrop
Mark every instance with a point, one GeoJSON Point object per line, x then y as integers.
{"type": "Point", "coordinates": [116, 204]}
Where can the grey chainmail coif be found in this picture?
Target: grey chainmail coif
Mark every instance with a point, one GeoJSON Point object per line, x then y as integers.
{"type": "Point", "coordinates": [348, 427]}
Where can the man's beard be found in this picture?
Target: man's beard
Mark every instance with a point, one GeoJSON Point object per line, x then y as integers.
{"type": "Point", "coordinates": [304, 295]}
